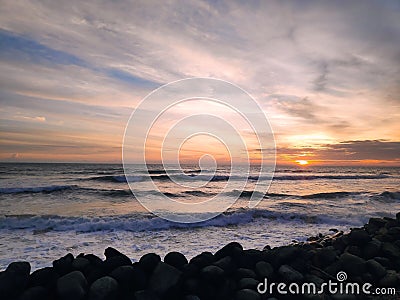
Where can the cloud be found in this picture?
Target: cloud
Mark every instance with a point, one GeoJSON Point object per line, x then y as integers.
{"type": "Point", "coordinates": [362, 150]}
{"type": "Point", "coordinates": [318, 68]}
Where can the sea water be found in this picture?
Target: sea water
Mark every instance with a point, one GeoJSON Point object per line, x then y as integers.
{"type": "Point", "coordinates": [48, 210]}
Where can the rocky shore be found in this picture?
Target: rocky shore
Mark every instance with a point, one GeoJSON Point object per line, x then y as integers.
{"type": "Point", "coordinates": [370, 254]}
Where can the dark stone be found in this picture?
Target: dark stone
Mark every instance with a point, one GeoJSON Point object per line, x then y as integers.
{"type": "Point", "coordinates": [358, 237]}
{"type": "Point", "coordinates": [285, 255]}
{"type": "Point", "coordinates": [398, 217]}
{"type": "Point", "coordinates": [80, 263]}
{"type": "Point", "coordinates": [192, 286]}
{"type": "Point", "coordinates": [112, 252]}
{"type": "Point", "coordinates": [390, 222]}
{"type": "Point", "coordinates": [164, 278]}
{"type": "Point", "coordinates": [264, 270]}
{"type": "Point", "coordinates": [46, 277]}
{"type": "Point", "coordinates": [324, 257]}
{"type": "Point", "coordinates": [245, 273]}
{"type": "Point", "coordinates": [202, 260]}
{"type": "Point", "coordinates": [372, 249]}
{"type": "Point", "coordinates": [212, 274]}
{"type": "Point", "coordinates": [176, 259]}
{"type": "Point", "coordinates": [64, 264]}
{"type": "Point", "coordinates": [94, 260]}
{"type": "Point", "coordinates": [190, 270]}
{"type": "Point", "coordinates": [230, 249]}
{"type": "Point", "coordinates": [113, 262]}
{"type": "Point", "coordinates": [383, 261]}
{"type": "Point", "coordinates": [72, 286]}
{"type": "Point", "coordinates": [395, 232]}
{"type": "Point", "coordinates": [130, 278]}
{"type": "Point", "coordinates": [352, 264]}
{"type": "Point", "coordinates": [191, 297]}
{"type": "Point", "coordinates": [149, 262]}
{"type": "Point", "coordinates": [391, 279]}
{"type": "Point", "coordinates": [390, 251]}
{"type": "Point", "coordinates": [226, 264]}
{"type": "Point", "coordinates": [376, 269]}
{"type": "Point", "coordinates": [289, 274]}
{"type": "Point", "coordinates": [247, 294]}
{"type": "Point", "coordinates": [339, 243]}
{"type": "Point", "coordinates": [355, 250]}
{"type": "Point", "coordinates": [377, 222]}
{"type": "Point", "coordinates": [248, 283]}
{"type": "Point", "coordinates": [249, 258]}
{"type": "Point", "coordinates": [35, 293]}
{"type": "Point", "coordinates": [95, 274]}
{"type": "Point", "coordinates": [104, 288]}
{"type": "Point", "coordinates": [14, 279]}
{"type": "Point", "coordinates": [146, 295]}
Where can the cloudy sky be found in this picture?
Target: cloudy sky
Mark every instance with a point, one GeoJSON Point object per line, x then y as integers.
{"type": "Point", "coordinates": [326, 73]}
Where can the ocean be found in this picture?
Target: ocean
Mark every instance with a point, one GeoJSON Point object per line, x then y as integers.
{"type": "Point", "coordinates": [48, 210]}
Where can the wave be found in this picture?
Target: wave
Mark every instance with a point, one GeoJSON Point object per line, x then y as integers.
{"type": "Point", "coordinates": [146, 222]}
{"type": "Point", "coordinates": [216, 178]}
{"type": "Point", "coordinates": [338, 177]}
{"type": "Point", "coordinates": [37, 189]}
{"type": "Point", "coordinates": [387, 196]}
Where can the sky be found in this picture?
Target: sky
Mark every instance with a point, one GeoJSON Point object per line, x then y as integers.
{"type": "Point", "coordinates": [326, 73]}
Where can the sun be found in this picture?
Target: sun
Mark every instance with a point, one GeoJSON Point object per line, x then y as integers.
{"type": "Point", "coordinates": [302, 162]}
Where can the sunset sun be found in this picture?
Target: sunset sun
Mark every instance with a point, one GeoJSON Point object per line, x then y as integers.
{"type": "Point", "coordinates": [302, 162]}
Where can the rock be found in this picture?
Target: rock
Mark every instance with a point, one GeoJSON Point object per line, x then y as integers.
{"type": "Point", "coordinates": [355, 250]}
{"type": "Point", "coordinates": [46, 277]}
{"type": "Point", "coordinates": [114, 262]}
{"type": "Point", "coordinates": [226, 264]}
{"type": "Point", "coordinates": [93, 259]}
{"type": "Point", "coordinates": [146, 295]}
{"type": "Point", "coordinates": [248, 283]}
{"type": "Point", "coordinates": [377, 222]}
{"type": "Point", "coordinates": [212, 274]}
{"type": "Point", "coordinates": [130, 278]}
{"type": "Point", "coordinates": [202, 260]}
{"type": "Point", "coordinates": [395, 232]}
{"type": "Point", "coordinates": [352, 264]}
{"type": "Point", "coordinates": [375, 268]}
{"type": "Point", "coordinates": [383, 261]}
{"type": "Point", "coordinates": [80, 263]}
{"type": "Point", "coordinates": [247, 294]}
{"type": "Point", "coordinates": [64, 264]}
{"type": "Point", "coordinates": [289, 274]}
{"type": "Point", "coordinates": [176, 259]}
{"type": "Point", "coordinates": [249, 258]}
{"type": "Point", "coordinates": [339, 243]}
{"type": "Point", "coordinates": [14, 279]}
{"type": "Point", "coordinates": [358, 237]}
{"type": "Point", "coordinates": [372, 249]}
{"type": "Point", "coordinates": [324, 257]}
{"type": "Point", "coordinates": [390, 251]}
{"type": "Point", "coordinates": [112, 252]}
{"type": "Point", "coordinates": [391, 279]}
{"type": "Point", "coordinates": [230, 249]}
{"type": "Point", "coordinates": [191, 297]}
{"type": "Point", "coordinates": [398, 217]}
{"type": "Point", "coordinates": [245, 273]}
{"type": "Point", "coordinates": [264, 270]}
{"type": "Point", "coordinates": [284, 255]}
{"type": "Point", "coordinates": [35, 293]}
{"type": "Point", "coordinates": [148, 262]}
{"type": "Point", "coordinates": [104, 288]}
{"type": "Point", "coordinates": [72, 286]}
{"type": "Point", "coordinates": [95, 274]}
{"type": "Point", "coordinates": [164, 278]}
